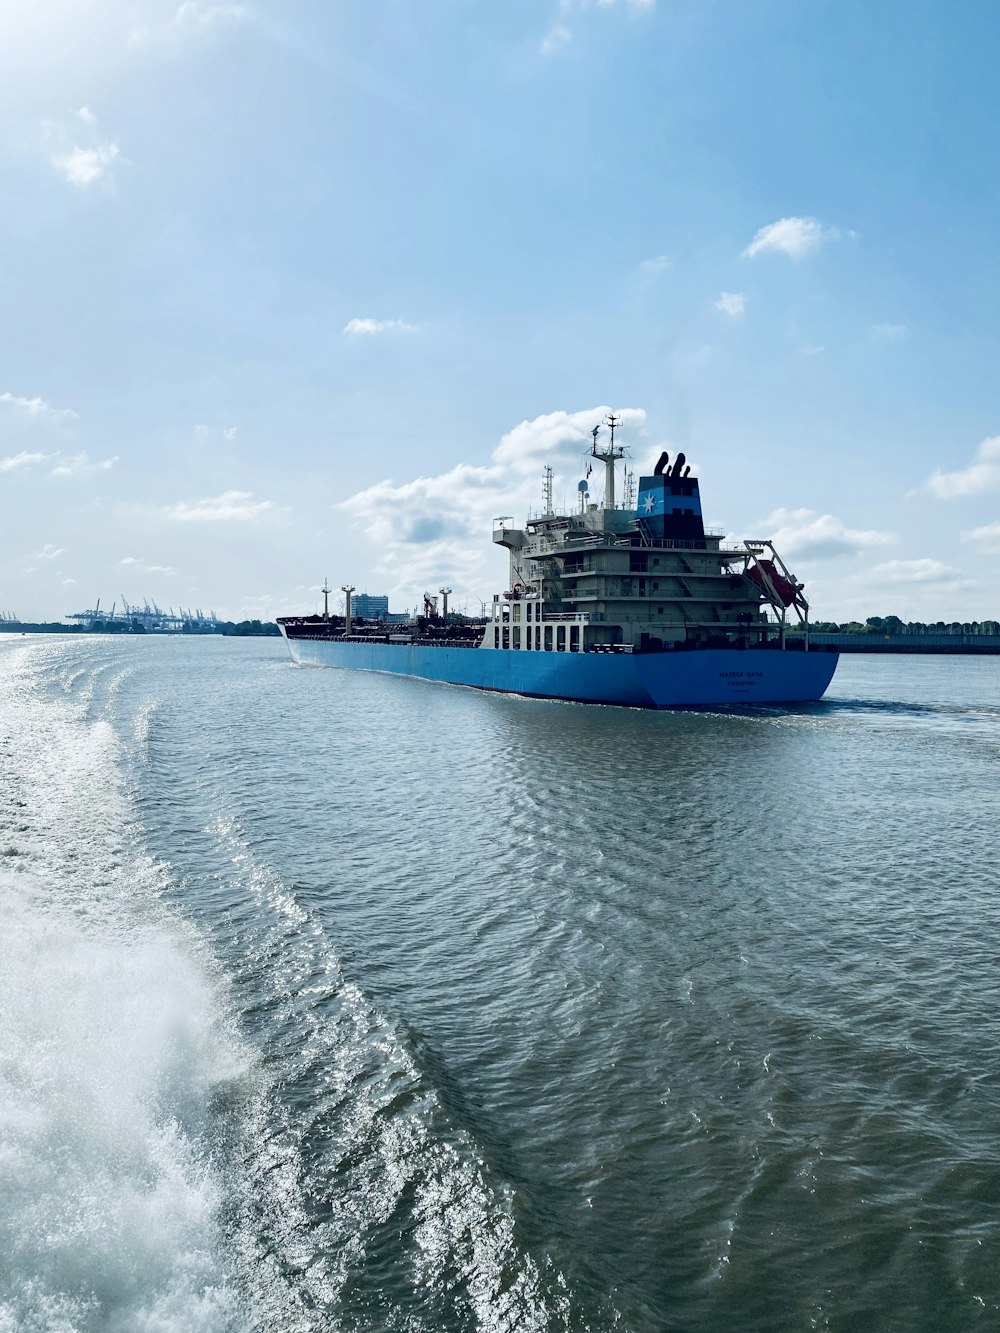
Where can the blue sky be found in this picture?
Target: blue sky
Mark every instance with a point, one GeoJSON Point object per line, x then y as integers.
{"type": "Point", "coordinates": [317, 289]}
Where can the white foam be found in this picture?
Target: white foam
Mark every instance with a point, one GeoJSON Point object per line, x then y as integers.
{"type": "Point", "coordinates": [114, 1049]}
{"type": "Point", "coordinates": [110, 1055]}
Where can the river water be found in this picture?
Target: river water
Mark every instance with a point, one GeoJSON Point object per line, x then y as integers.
{"type": "Point", "coordinates": [332, 1001]}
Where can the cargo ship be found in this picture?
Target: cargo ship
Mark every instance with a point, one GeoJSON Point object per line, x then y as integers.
{"type": "Point", "coordinates": [633, 604]}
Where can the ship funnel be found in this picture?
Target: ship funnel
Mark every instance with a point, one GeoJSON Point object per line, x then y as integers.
{"type": "Point", "coordinates": [669, 505]}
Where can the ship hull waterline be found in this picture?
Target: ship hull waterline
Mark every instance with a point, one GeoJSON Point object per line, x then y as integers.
{"type": "Point", "coordinates": [687, 679]}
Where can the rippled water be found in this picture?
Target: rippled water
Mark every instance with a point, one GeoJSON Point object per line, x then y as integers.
{"type": "Point", "coordinates": [333, 1001]}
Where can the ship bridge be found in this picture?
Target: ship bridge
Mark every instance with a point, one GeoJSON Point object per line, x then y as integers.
{"type": "Point", "coordinates": [645, 577]}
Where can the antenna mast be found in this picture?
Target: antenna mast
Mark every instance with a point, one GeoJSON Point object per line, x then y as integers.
{"type": "Point", "coordinates": [326, 590]}
{"type": "Point", "coordinates": [608, 456]}
{"type": "Point", "coordinates": [547, 490]}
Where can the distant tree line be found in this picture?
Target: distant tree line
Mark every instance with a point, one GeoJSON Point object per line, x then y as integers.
{"type": "Point", "coordinates": [892, 625]}
{"type": "Point", "coordinates": [251, 628]}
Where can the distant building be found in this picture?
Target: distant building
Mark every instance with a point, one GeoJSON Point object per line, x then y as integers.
{"type": "Point", "coordinates": [371, 606]}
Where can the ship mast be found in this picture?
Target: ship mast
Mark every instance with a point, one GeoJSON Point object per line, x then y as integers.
{"type": "Point", "coordinates": [326, 590]}
{"type": "Point", "coordinates": [608, 455]}
{"type": "Point", "coordinates": [347, 589]}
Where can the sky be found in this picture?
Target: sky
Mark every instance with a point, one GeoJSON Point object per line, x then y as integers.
{"type": "Point", "coordinates": [316, 289]}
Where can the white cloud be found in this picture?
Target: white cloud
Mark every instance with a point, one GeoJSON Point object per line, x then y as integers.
{"type": "Point", "coordinates": [195, 14]}
{"type": "Point", "coordinates": [71, 465]}
{"type": "Point", "coordinates": [438, 528]}
{"type": "Point", "coordinates": [795, 237]}
{"type": "Point", "coordinates": [230, 507]}
{"type": "Point", "coordinates": [732, 304]}
{"type": "Point", "coordinates": [133, 562]}
{"type": "Point", "coordinates": [659, 264]}
{"type": "Point", "coordinates": [987, 538]}
{"type": "Point", "coordinates": [355, 328]}
{"type": "Point", "coordinates": [555, 436]}
{"type": "Point", "coordinates": [203, 432]}
{"type": "Point", "coordinates": [36, 407]}
{"type": "Point", "coordinates": [559, 34]}
{"type": "Point", "coordinates": [23, 459]}
{"type": "Point", "coordinates": [811, 535]}
{"type": "Point", "coordinates": [66, 583]}
{"type": "Point", "coordinates": [49, 552]}
{"type": "Point", "coordinates": [914, 571]}
{"type": "Point", "coordinates": [979, 478]}
{"type": "Point", "coordinates": [889, 332]}
{"type": "Point", "coordinates": [557, 37]}
{"type": "Point", "coordinates": [77, 151]}
{"type": "Point", "coordinates": [63, 465]}
{"type": "Point", "coordinates": [192, 20]}
{"type": "Point", "coordinates": [83, 166]}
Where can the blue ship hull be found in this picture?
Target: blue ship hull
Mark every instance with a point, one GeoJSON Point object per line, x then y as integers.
{"type": "Point", "coordinates": [708, 676]}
